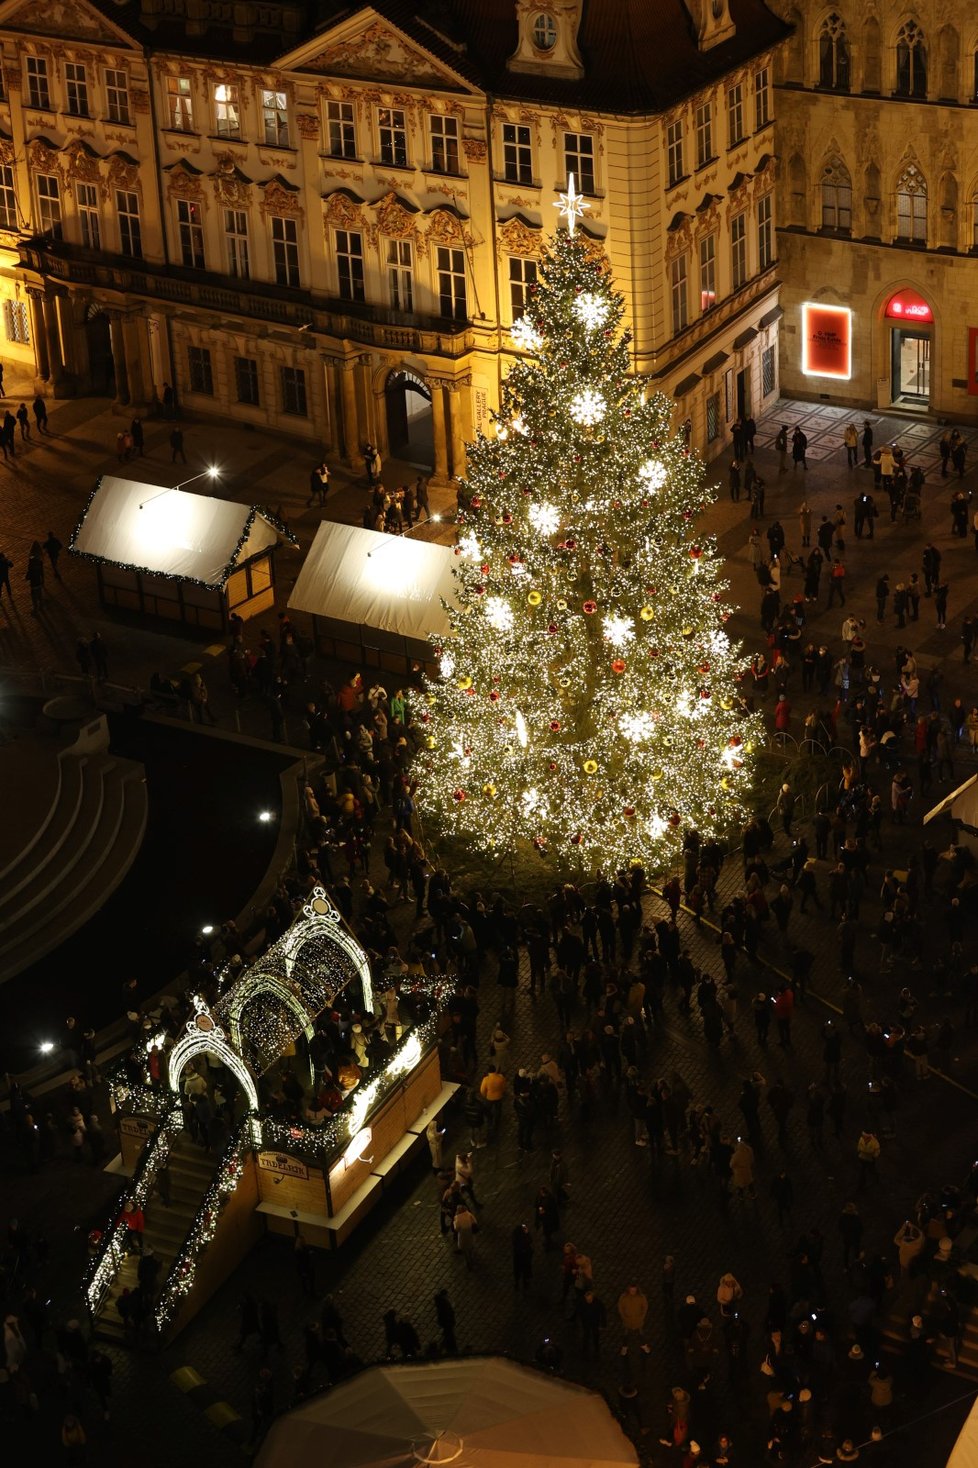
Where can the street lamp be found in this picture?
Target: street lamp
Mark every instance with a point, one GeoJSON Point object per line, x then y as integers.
{"type": "Point", "coordinates": [265, 816]}
{"type": "Point", "coordinates": [212, 473]}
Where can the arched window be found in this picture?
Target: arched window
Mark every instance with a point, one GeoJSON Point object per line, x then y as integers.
{"type": "Point", "coordinates": [833, 55]}
{"type": "Point", "coordinates": [911, 195]}
{"type": "Point", "coordinates": [911, 77]}
{"type": "Point", "coordinates": [836, 196]}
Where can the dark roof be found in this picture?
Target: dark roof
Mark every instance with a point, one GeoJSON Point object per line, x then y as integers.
{"type": "Point", "coordinates": [639, 55]}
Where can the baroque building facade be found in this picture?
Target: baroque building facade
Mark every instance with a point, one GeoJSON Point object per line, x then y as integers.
{"type": "Point", "coordinates": [878, 203]}
{"type": "Point", "coordinates": [329, 225]}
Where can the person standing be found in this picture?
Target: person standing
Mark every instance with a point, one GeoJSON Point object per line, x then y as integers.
{"type": "Point", "coordinates": [100, 659]}
{"type": "Point", "coordinates": [53, 549]}
{"type": "Point", "coordinates": [633, 1307]}
{"type": "Point", "coordinates": [799, 449]}
{"type": "Point", "coordinates": [23, 418]}
{"type": "Point", "coordinates": [882, 593]}
{"type": "Point", "coordinates": [41, 414]}
{"type": "Point", "coordinates": [735, 480]}
{"type": "Point", "coordinates": [522, 1257]}
{"type": "Point", "coordinates": [958, 455]}
{"type": "Point", "coordinates": [867, 441]}
{"type": "Point", "coordinates": [867, 1155]}
{"type": "Point", "coordinates": [593, 1317]}
{"type": "Point", "coordinates": [940, 603]}
{"type": "Point", "coordinates": [6, 565]}
{"type": "Point", "coordinates": [319, 484]}
{"type": "Point", "coordinates": [34, 576]}
{"type": "Point", "coordinates": [169, 400]}
{"type": "Point", "coordinates": [931, 566]}
{"type": "Point", "coordinates": [421, 500]}
{"type": "Point", "coordinates": [851, 440]}
{"type": "Point", "coordinates": [967, 637]}
{"type": "Point", "coordinates": [445, 1315]}
{"type": "Point", "coordinates": [136, 434]}
{"type": "Point", "coordinates": [781, 444]}
{"type": "Point", "coordinates": [176, 446]}
{"type": "Point", "coordinates": [464, 1225]}
{"type": "Point", "coordinates": [750, 433]}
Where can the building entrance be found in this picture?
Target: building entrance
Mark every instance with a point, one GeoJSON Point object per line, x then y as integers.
{"type": "Point", "coordinates": [409, 424]}
{"type": "Point", "coordinates": [910, 367]}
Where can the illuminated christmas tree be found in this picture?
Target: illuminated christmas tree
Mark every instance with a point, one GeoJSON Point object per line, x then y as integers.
{"type": "Point", "coordinates": [588, 700]}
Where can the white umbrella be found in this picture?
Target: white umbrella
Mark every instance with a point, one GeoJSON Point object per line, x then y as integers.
{"type": "Point", "coordinates": [470, 1413]}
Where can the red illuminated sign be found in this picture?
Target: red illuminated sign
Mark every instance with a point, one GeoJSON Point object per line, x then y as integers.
{"type": "Point", "coordinates": [826, 347]}
{"type": "Point", "coordinates": [908, 306]}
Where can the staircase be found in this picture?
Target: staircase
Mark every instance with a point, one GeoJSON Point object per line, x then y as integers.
{"type": "Point", "coordinates": [191, 1173]}
{"type": "Point", "coordinates": [80, 854]}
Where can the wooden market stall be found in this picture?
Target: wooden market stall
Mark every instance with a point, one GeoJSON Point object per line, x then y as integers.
{"type": "Point", "coordinates": [177, 556]}
{"type": "Point", "coordinates": [375, 599]}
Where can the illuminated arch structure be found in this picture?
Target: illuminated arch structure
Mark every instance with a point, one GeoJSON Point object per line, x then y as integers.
{"type": "Point", "coordinates": [278, 998]}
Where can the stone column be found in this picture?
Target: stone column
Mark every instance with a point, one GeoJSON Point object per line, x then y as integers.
{"type": "Point", "coordinates": [351, 436]}
{"type": "Point", "coordinates": [52, 332]}
{"type": "Point", "coordinates": [39, 336]}
{"type": "Point", "coordinates": [117, 338]}
{"type": "Point", "coordinates": [137, 353]}
{"type": "Point", "coordinates": [440, 475]}
{"type": "Point", "coordinates": [458, 426]}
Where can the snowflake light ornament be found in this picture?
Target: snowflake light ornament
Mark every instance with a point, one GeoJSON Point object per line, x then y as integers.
{"type": "Point", "coordinates": [618, 630]}
{"type": "Point", "coordinates": [499, 613]}
{"type": "Point", "coordinates": [587, 408]}
{"type": "Point", "coordinates": [469, 548]}
{"type": "Point", "coordinates": [525, 336]}
{"type": "Point", "coordinates": [544, 519]}
{"type": "Point", "coordinates": [591, 310]}
{"type": "Point", "coordinates": [653, 474]}
{"type": "Point", "coordinates": [637, 727]}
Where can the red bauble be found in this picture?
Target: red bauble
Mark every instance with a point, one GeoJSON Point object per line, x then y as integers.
{"type": "Point", "coordinates": [507, 518]}
{"type": "Point", "coordinates": [475, 502]}
{"type": "Point", "coordinates": [590, 607]}
{"type": "Point", "coordinates": [470, 692]}
{"type": "Point", "coordinates": [704, 693]}
{"type": "Point", "coordinates": [734, 741]}
{"type": "Point", "coordinates": [552, 765]}
{"type": "Point", "coordinates": [704, 667]}
{"type": "Point", "coordinates": [514, 560]}
{"type": "Point", "coordinates": [629, 810]}
{"type": "Point", "coordinates": [576, 839]}
{"type": "Point", "coordinates": [555, 726]}
{"type": "Point", "coordinates": [495, 695]}
{"type": "Point", "coordinates": [674, 819]}
{"type": "Point", "coordinates": [618, 665]}
{"type": "Point", "coordinates": [552, 629]}
{"type": "Point", "coordinates": [484, 570]}
{"type": "Point", "coordinates": [695, 552]}
{"type": "Point", "coordinates": [459, 795]}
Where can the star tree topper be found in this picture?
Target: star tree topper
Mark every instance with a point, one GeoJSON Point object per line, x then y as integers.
{"type": "Point", "coordinates": [571, 205]}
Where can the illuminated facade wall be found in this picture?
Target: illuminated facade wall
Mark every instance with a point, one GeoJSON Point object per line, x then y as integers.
{"type": "Point", "coordinates": [337, 241]}
{"type": "Point", "coordinates": [878, 197]}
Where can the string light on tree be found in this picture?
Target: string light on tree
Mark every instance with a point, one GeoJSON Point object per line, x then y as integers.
{"type": "Point", "coordinates": [589, 678]}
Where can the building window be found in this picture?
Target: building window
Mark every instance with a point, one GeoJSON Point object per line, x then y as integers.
{"type": "Point", "coordinates": [341, 130]}
{"type": "Point", "coordinates": [349, 264]}
{"type": "Point", "coordinates": [275, 119]}
{"type": "Point", "coordinates": [18, 322]}
{"type": "Point", "coordinates": [713, 417]}
{"type": "Point", "coordinates": [191, 229]}
{"type": "Point", "coordinates": [38, 91]}
{"type": "Point", "coordinates": [708, 272]}
{"type": "Point", "coordinates": [179, 104]}
{"type": "Point", "coordinates": [579, 160]}
{"type": "Point", "coordinates": [400, 274]}
{"type": "Point", "coordinates": [117, 96]}
{"type": "Point", "coordinates": [544, 32]}
{"type": "Point", "coordinates": [8, 198]}
{"type": "Point", "coordinates": [912, 206]}
{"type": "Point", "coordinates": [704, 134]}
{"type": "Point", "coordinates": [130, 233]}
{"type": "Point", "coordinates": [49, 206]}
{"type": "Point", "coordinates": [201, 375]}
{"type": "Point", "coordinates": [678, 281]}
{"type": "Point", "coordinates": [911, 57]}
{"type": "Point", "coordinates": [76, 89]}
{"type": "Point", "coordinates": [450, 266]}
{"type": "Point", "coordinates": [86, 195]}
{"type": "Point", "coordinates": [517, 154]}
{"type": "Point", "coordinates": [393, 137]}
{"type": "Point", "coordinates": [444, 143]}
{"type": "Point", "coordinates": [227, 112]}
{"type": "Point", "coordinates": [765, 233]}
{"type": "Point", "coordinates": [522, 274]}
{"type": "Point", "coordinates": [735, 116]}
{"type": "Point", "coordinates": [294, 391]}
{"type": "Point", "coordinates": [285, 251]}
{"type": "Point", "coordinates": [762, 99]}
{"type": "Point", "coordinates": [738, 249]}
{"type": "Point", "coordinates": [836, 197]}
{"type": "Point", "coordinates": [236, 236]}
{"type": "Point", "coordinates": [833, 55]}
{"type": "Point", "coordinates": [246, 381]}
{"type": "Point", "coordinates": [769, 375]}
{"type": "Point", "coordinates": [674, 152]}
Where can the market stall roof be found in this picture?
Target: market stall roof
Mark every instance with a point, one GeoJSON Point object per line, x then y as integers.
{"type": "Point", "coordinates": [393, 582]}
{"type": "Point", "coordinates": [962, 803]}
{"type": "Point", "coordinates": [170, 532]}
{"type": "Point", "coordinates": [964, 1454]}
{"type": "Point", "coordinates": [472, 1413]}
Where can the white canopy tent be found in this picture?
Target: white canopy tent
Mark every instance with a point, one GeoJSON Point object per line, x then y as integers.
{"type": "Point", "coordinates": [168, 532]}
{"type": "Point", "coordinates": [392, 582]}
{"type": "Point", "coordinates": [964, 1454]}
{"type": "Point", "coordinates": [472, 1413]}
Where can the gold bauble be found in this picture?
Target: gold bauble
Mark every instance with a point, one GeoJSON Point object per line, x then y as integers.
{"type": "Point", "coordinates": [465, 682]}
{"type": "Point", "coordinates": [534, 598]}
{"type": "Point", "coordinates": [431, 741]}
{"type": "Point", "coordinates": [647, 613]}
{"type": "Point", "coordinates": [489, 790]}
{"type": "Point", "coordinates": [590, 767]}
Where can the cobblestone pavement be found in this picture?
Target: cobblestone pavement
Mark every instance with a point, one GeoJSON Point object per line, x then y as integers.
{"type": "Point", "coordinates": [626, 1211]}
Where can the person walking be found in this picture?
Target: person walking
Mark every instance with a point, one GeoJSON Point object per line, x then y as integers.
{"type": "Point", "coordinates": [734, 480]}
{"type": "Point", "coordinates": [882, 592]}
{"type": "Point", "coordinates": [799, 449]}
{"type": "Point", "coordinates": [176, 446]}
{"type": "Point", "coordinates": [464, 1226]}
{"type": "Point", "coordinates": [445, 1316]}
{"type": "Point", "coordinates": [851, 440]}
{"type": "Point", "coordinates": [23, 418]}
{"type": "Point", "coordinates": [837, 578]}
{"type": "Point", "coordinates": [136, 434]}
{"type": "Point", "coordinates": [931, 566]}
{"type": "Point", "coordinates": [319, 484]}
{"type": "Point", "coordinates": [6, 565]}
{"type": "Point", "coordinates": [867, 1156]}
{"type": "Point", "coordinates": [52, 549]}
{"type": "Point", "coordinates": [867, 442]}
{"type": "Point", "coordinates": [781, 444]}
{"type": "Point", "coordinates": [783, 1194]}
{"type": "Point", "coordinates": [940, 604]}
{"type": "Point", "coordinates": [34, 576]}
{"type": "Point", "coordinates": [41, 414]}
{"type": "Point", "coordinates": [805, 524]}
{"type": "Point", "coordinates": [100, 657]}
{"type": "Point", "coordinates": [958, 455]}
{"type": "Point", "coordinates": [522, 1257]}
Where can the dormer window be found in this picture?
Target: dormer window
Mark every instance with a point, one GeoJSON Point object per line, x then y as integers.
{"type": "Point", "coordinates": [544, 31]}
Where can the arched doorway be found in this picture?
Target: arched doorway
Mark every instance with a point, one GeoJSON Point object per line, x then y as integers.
{"type": "Point", "coordinates": [101, 365]}
{"type": "Point", "coordinates": [910, 326]}
{"type": "Point", "coordinates": [409, 432]}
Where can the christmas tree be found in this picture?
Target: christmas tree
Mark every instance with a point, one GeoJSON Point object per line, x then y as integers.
{"type": "Point", "coordinates": [587, 701]}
